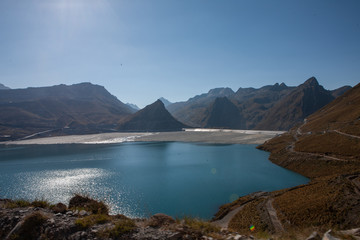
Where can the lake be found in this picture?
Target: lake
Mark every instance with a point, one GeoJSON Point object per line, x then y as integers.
{"type": "Point", "coordinates": [140, 179]}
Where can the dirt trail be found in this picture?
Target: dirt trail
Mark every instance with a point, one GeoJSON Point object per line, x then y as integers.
{"type": "Point", "coordinates": [273, 216]}
{"type": "Point", "coordinates": [345, 134]}
{"type": "Point", "coordinates": [224, 222]}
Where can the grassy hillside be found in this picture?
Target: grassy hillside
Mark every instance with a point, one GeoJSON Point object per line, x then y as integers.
{"type": "Point", "coordinates": [325, 148]}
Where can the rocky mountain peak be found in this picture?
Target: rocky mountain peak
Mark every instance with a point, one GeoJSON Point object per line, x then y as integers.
{"type": "Point", "coordinates": [153, 117]}
{"type": "Point", "coordinates": [311, 82]}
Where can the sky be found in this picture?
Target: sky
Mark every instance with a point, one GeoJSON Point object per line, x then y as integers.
{"type": "Point", "coordinates": [141, 50]}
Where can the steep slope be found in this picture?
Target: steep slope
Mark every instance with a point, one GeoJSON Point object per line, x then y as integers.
{"type": "Point", "coordinates": [133, 106]}
{"type": "Point", "coordinates": [325, 148]}
{"type": "Point", "coordinates": [165, 101]}
{"type": "Point", "coordinates": [340, 91]}
{"type": "Point", "coordinates": [75, 109]}
{"type": "Point", "coordinates": [192, 112]}
{"type": "Point", "coordinates": [3, 87]}
{"type": "Point", "coordinates": [255, 103]}
{"type": "Point", "coordinates": [153, 117]}
{"type": "Point", "coordinates": [223, 114]}
{"type": "Point", "coordinates": [296, 106]}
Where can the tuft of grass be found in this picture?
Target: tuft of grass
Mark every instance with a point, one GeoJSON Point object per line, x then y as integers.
{"type": "Point", "coordinates": [200, 225]}
{"type": "Point", "coordinates": [92, 220]}
{"type": "Point", "coordinates": [122, 226]}
{"type": "Point", "coordinates": [40, 203]}
{"type": "Point", "coordinates": [88, 204]}
{"type": "Point", "coordinates": [18, 203]}
{"type": "Point", "coordinates": [31, 228]}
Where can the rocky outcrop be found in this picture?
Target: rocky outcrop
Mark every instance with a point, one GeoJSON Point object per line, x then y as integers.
{"type": "Point", "coordinates": [45, 223]}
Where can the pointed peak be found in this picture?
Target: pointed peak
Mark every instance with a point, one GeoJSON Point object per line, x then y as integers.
{"type": "Point", "coordinates": [283, 85]}
{"type": "Point", "coordinates": [157, 103]}
{"type": "Point", "coordinates": [165, 101]}
{"type": "Point", "coordinates": [311, 82]}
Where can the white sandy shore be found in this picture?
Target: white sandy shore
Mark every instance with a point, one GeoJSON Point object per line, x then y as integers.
{"type": "Point", "coordinates": [194, 135]}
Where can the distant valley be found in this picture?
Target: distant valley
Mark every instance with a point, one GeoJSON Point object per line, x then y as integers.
{"type": "Point", "coordinates": [87, 108]}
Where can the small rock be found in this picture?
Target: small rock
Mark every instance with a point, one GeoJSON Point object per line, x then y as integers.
{"type": "Point", "coordinates": [58, 214]}
{"type": "Point", "coordinates": [76, 212]}
{"type": "Point", "coordinates": [353, 232]}
{"type": "Point", "coordinates": [69, 213]}
{"type": "Point", "coordinates": [314, 236]}
{"type": "Point", "coordinates": [59, 208]}
{"type": "Point", "coordinates": [51, 220]}
{"type": "Point", "coordinates": [83, 213]}
{"type": "Point", "coordinates": [328, 236]}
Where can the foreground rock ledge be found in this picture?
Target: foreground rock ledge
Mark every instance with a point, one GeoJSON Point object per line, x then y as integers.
{"type": "Point", "coordinates": [59, 222]}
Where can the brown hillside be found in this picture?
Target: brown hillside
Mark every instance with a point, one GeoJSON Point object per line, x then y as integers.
{"type": "Point", "coordinates": [326, 148]}
{"type": "Point", "coordinates": [343, 115]}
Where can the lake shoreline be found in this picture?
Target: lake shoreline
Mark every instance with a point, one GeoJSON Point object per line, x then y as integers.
{"type": "Point", "coordinates": [216, 136]}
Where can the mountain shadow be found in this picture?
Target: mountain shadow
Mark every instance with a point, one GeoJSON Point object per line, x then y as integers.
{"type": "Point", "coordinates": [223, 114]}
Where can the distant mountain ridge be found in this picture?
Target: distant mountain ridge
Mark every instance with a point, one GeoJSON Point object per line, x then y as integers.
{"type": "Point", "coordinates": [3, 87]}
{"type": "Point", "coordinates": [88, 108]}
{"type": "Point", "coordinates": [76, 109]}
{"type": "Point", "coordinates": [306, 99]}
{"type": "Point", "coordinates": [165, 101]}
{"type": "Point", "coordinates": [272, 107]}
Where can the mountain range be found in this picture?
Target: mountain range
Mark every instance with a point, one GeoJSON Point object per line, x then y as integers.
{"type": "Point", "coordinates": [87, 108]}
{"type": "Point", "coordinates": [273, 107]}
{"type": "Point", "coordinates": [76, 109]}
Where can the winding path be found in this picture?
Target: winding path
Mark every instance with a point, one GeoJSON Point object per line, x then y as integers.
{"type": "Point", "coordinates": [273, 216]}
{"type": "Point", "coordinates": [224, 222]}
{"type": "Point", "coordinates": [345, 134]}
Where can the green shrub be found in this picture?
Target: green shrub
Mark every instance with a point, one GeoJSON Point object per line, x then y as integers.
{"type": "Point", "coordinates": [17, 203]}
{"type": "Point", "coordinates": [91, 220]}
{"type": "Point", "coordinates": [122, 227]}
{"type": "Point", "coordinates": [200, 225]}
{"type": "Point", "coordinates": [40, 203]}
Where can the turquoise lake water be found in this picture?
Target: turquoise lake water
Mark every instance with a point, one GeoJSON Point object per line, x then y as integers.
{"type": "Point", "coordinates": [141, 179]}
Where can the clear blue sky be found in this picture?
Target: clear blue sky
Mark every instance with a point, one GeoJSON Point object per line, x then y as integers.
{"type": "Point", "coordinates": [141, 50]}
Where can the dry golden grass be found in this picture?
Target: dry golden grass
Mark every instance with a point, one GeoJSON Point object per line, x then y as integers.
{"type": "Point", "coordinates": [323, 203]}
{"type": "Point", "coordinates": [332, 144]}
{"type": "Point", "coordinates": [249, 215]}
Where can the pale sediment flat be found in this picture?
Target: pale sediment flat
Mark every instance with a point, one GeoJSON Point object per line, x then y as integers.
{"type": "Point", "coordinates": [193, 135]}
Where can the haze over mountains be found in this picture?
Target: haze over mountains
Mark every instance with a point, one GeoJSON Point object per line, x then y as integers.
{"type": "Point", "coordinates": [76, 109]}
{"type": "Point", "coordinates": [87, 108]}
